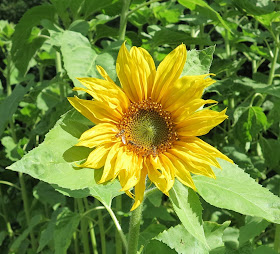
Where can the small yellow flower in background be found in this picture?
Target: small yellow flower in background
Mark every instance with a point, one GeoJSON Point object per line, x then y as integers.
{"type": "Point", "coordinates": [148, 127]}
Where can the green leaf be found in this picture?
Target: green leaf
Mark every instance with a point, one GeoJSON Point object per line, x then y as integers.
{"type": "Point", "coordinates": [215, 15]}
{"type": "Point", "coordinates": [271, 90]}
{"type": "Point", "coordinates": [54, 160]}
{"type": "Point", "coordinates": [189, 210]}
{"type": "Point", "coordinates": [47, 194]}
{"type": "Point", "coordinates": [271, 151]}
{"type": "Point", "coordinates": [78, 56]}
{"type": "Point", "coordinates": [47, 234]}
{"type": "Point", "coordinates": [66, 224]}
{"type": "Point", "coordinates": [24, 45]}
{"type": "Point", "coordinates": [250, 124]}
{"type": "Point", "coordinates": [33, 222]}
{"type": "Point", "coordinates": [175, 37]}
{"type": "Point", "coordinates": [80, 26]}
{"type": "Point", "coordinates": [198, 61]}
{"type": "Point", "coordinates": [9, 106]}
{"type": "Point", "coordinates": [256, 7]}
{"type": "Point", "coordinates": [253, 227]}
{"type": "Point", "coordinates": [233, 189]}
{"type": "Point", "coordinates": [183, 242]}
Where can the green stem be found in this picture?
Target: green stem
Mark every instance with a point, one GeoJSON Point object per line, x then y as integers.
{"type": "Point", "coordinates": [134, 228]}
{"type": "Point", "coordinates": [101, 229]}
{"type": "Point", "coordinates": [58, 66]}
{"type": "Point", "coordinates": [117, 235]}
{"type": "Point", "coordinates": [91, 230]}
{"type": "Point", "coordinates": [141, 5]}
{"type": "Point", "coordinates": [26, 209]}
{"type": "Point", "coordinates": [201, 30]}
{"type": "Point", "coordinates": [8, 224]}
{"type": "Point", "coordinates": [274, 61]}
{"type": "Point", "coordinates": [117, 224]}
{"type": "Point", "coordinates": [123, 21]}
{"type": "Point", "coordinates": [84, 232]}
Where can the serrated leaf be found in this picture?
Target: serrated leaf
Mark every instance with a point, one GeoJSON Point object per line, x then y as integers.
{"type": "Point", "coordinates": [233, 189]}
{"type": "Point", "coordinates": [23, 48]}
{"type": "Point", "coordinates": [54, 160]}
{"type": "Point", "coordinates": [189, 210]}
{"type": "Point", "coordinates": [198, 61]}
{"type": "Point", "coordinates": [78, 56]}
{"type": "Point", "coordinates": [215, 15]}
{"type": "Point", "coordinates": [253, 227]}
{"type": "Point", "coordinates": [183, 242]}
{"type": "Point", "coordinates": [250, 123]}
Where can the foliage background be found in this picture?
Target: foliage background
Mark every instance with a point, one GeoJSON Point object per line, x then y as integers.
{"type": "Point", "coordinates": [43, 48]}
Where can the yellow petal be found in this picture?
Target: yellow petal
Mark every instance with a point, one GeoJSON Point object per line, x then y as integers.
{"type": "Point", "coordinates": [140, 189]}
{"type": "Point", "coordinates": [192, 163]}
{"type": "Point", "coordinates": [106, 92]}
{"type": "Point", "coordinates": [95, 111]}
{"type": "Point", "coordinates": [146, 69]}
{"type": "Point", "coordinates": [200, 123]}
{"type": "Point", "coordinates": [185, 90]}
{"type": "Point", "coordinates": [99, 134]}
{"type": "Point", "coordinates": [104, 74]}
{"type": "Point", "coordinates": [200, 147]}
{"type": "Point", "coordinates": [128, 73]}
{"type": "Point", "coordinates": [160, 173]}
{"type": "Point", "coordinates": [181, 171]}
{"type": "Point", "coordinates": [97, 157]}
{"type": "Point", "coordinates": [169, 71]}
{"type": "Point", "coordinates": [109, 167]}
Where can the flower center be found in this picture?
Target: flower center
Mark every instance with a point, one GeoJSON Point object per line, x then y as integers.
{"type": "Point", "coordinates": [147, 129]}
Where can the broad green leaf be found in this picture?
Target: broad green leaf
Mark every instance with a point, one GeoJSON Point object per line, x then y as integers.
{"type": "Point", "coordinates": [253, 227]}
{"type": "Point", "coordinates": [47, 234]}
{"type": "Point", "coordinates": [230, 238]}
{"type": "Point", "coordinates": [198, 61]}
{"type": "Point", "coordinates": [233, 189]}
{"type": "Point", "coordinates": [66, 224]}
{"type": "Point", "coordinates": [9, 105]}
{"type": "Point", "coordinates": [78, 56]}
{"type": "Point", "coordinates": [54, 161]}
{"type": "Point", "coordinates": [251, 122]}
{"type": "Point", "coordinates": [179, 239]}
{"type": "Point", "coordinates": [271, 90]}
{"type": "Point", "coordinates": [189, 210]}
{"type": "Point", "coordinates": [46, 194]}
{"type": "Point", "coordinates": [271, 151]}
{"type": "Point", "coordinates": [175, 37]}
{"type": "Point", "coordinates": [256, 7]}
{"type": "Point", "coordinates": [203, 4]}
{"type": "Point", "coordinates": [80, 26]}
{"type": "Point", "coordinates": [23, 45]}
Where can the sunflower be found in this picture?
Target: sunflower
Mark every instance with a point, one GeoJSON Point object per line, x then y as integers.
{"type": "Point", "coordinates": [148, 127]}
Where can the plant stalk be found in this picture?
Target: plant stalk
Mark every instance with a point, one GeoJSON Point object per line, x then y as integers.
{"type": "Point", "coordinates": [117, 235]}
{"type": "Point", "coordinates": [274, 61]}
{"type": "Point", "coordinates": [84, 233]}
{"type": "Point", "coordinates": [26, 209]}
{"type": "Point", "coordinates": [117, 224]}
{"type": "Point", "coordinates": [58, 66]}
{"type": "Point", "coordinates": [134, 228]}
{"type": "Point", "coordinates": [91, 230]}
{"type": "Point", "coordinates": [101, 229]}
{"type": "Point", "coordinates": [123, 21]}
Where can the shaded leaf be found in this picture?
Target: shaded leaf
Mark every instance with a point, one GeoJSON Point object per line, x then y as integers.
{"type": "Point", "coordinates": [233, 189]}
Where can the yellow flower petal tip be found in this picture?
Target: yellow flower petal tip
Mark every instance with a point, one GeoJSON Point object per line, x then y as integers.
{"type": "Point", "coordinates": [149, 127]}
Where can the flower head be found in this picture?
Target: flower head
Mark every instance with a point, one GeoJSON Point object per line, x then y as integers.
{"type": "Point", "coordinates": [149, 125]}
